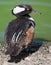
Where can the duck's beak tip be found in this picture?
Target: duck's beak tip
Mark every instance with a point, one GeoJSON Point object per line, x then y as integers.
{"type": "Point", "coordinates": [36, 12]}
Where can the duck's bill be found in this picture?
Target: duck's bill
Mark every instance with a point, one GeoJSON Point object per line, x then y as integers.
{"type": "Point", "coordinates": [36, 12]}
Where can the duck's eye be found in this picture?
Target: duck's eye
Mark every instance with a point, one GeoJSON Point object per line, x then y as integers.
{"type": "Point", "coordinates": [27, 9]}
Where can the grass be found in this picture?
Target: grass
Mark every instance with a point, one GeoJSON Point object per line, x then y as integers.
{"type": "Point", "coordinates": [43, 22]}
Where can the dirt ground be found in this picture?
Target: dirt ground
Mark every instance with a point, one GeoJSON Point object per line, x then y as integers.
{"type": "Point", "coordinates": [36, 55]}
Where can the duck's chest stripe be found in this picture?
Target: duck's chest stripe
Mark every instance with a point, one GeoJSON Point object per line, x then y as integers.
{"type": "Point", "coordinates": [32, 21]}
{"type": "Point", "coordinates": [18, 35]}
{"type": "Point", "coordinates": [15, 37]}
{"type": "Point", "coordinates": [30, 18]}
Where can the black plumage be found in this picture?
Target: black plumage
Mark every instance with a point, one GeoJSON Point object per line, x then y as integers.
{"type": "Point", "coordinates": [19, 32]}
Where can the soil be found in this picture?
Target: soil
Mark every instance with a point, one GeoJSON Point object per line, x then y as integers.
{"type": "Point", "coordinates": [35, 55]}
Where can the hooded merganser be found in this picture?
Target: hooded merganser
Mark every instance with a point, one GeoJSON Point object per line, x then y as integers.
{"type": "Point", "coordinates": [20, 31]}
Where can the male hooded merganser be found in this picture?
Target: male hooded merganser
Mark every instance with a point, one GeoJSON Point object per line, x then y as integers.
{"type": "Point", "coordinates": [20, 32]}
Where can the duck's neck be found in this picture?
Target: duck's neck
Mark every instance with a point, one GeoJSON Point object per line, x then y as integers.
{"type": "Point", "coordinates": [26, 15]}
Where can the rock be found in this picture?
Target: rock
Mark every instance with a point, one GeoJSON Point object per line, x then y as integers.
{"type": "Point", "coordinates": [49, 49]}
{"type": "Point", "coordinates": [40, 57]}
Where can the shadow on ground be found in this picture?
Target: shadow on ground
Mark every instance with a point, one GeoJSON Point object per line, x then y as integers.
{"type": "Point", "coordinates": [36, 44]}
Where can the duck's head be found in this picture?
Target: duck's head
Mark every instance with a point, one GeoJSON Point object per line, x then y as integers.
{"type": "Point", "coordinates": [23, 9]}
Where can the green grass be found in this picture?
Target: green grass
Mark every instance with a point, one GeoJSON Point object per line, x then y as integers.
{"type": "Point", "coordinates": [43, 22]}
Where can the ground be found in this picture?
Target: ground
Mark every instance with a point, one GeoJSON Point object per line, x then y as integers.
{"type": "Point", "coordinates": [36, 56]}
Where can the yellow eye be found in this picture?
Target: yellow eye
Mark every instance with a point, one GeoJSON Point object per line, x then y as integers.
{"type": "Point", "coordinates": [27, 9]}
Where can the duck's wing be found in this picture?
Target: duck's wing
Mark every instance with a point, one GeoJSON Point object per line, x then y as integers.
{"type": "Point", "coordinates": [25, 31]}
{"type": "Point", "coordinates": [20, 37]}
{"type": "Point", "coordinates": [10, 30]}
{"type": "Point", "coordinates": [22, 40]}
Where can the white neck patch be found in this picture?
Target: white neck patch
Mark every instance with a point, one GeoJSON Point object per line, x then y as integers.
{"type": "Point", "coordinates": [30, 18]}
{"type": "Point", "coordinates": [18, 10]}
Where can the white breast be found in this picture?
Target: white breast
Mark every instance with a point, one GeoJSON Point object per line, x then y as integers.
{"type": "Point", "coordinates": [30, 18]}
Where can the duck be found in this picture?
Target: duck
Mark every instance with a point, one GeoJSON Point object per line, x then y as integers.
{"type": "Point", "coordinates": [20, 31]}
